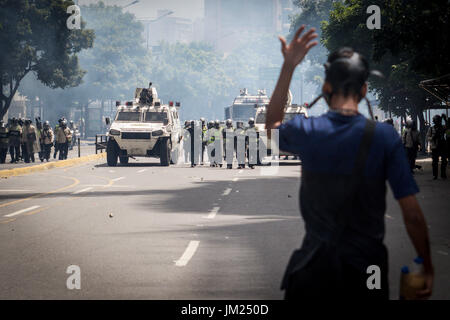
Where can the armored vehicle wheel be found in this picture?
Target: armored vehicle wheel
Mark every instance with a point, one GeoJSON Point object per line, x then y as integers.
{"type": "Point", "coordinates": [111, 153]}
{"type": "Point", "coordinates": [124, 160]}
{"type": "Point", "coordinates": [165, 153]}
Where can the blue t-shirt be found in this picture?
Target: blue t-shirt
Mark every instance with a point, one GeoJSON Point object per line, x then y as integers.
{"type": "Point", "coordinates": [329, 143]}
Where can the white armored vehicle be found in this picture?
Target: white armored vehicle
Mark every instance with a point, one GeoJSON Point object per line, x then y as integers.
{"type": "Point", "coordinates": [243, 106]}
{"type": "Point", "coordinates": [290, 112]}
{"type": "Point", "coordinates": [144, 127]}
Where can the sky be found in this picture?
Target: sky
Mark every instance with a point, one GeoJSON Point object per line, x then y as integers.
{"type": "Point", "coordinates": [191, 9]}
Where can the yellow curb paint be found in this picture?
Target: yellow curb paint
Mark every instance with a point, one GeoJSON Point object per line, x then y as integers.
{"type": "Point", "coordinates": [50, 165]}
{"type": "Point", "coordinates": [75, 182]}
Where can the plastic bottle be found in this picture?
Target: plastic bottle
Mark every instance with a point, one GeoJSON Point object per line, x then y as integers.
{"type": "Point", "coordinates": [412, 280]}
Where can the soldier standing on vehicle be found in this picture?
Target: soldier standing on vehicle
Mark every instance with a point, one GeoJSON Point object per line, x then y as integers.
{"type": "Point", "coordinates": [252, 134]}
{"type": "Point", "coordinates": [47, 138]}
{"type": "Point", "coordinates": [204, 140]}
{"type": "Point", "coordinates": [346, 161]}
{"type": "Point", "coordinates": [228, 143]}
{"type": "Point", "coordinates": [438, 145]}
{"type": "Point", "coordinates": [15, 135]}
{"type": "Point", "coordinates": [411, 142]}
{"type": "Point", "coordinates": [62, 138]}
{"type": "Point", "coordinates": [4, 141]}
{"type": "Point", "coordinates": [30, 138]}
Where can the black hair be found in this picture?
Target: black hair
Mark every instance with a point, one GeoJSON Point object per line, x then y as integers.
{"type": "Point", "coordinates": [346, 71]}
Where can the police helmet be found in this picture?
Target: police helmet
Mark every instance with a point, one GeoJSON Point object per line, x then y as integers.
{"type": "Point", "coordinates": [409, 123]}
{"type": "Point", "coordinates": [202, 120]}
{"type": "Point", "coordinates": [229, 122]}
{"type": "Point", "coordinates": [437, 120]}
{"type": "Point", "coordinates": [217, 124]}
{"type": "Point", "coordinates": [251, 121]}
{"type": "Point", "coordinates": [64, 123]}
{"type": "Point", "coordinates": [210, 124]}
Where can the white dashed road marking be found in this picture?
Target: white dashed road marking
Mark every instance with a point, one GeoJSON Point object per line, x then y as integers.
{"type": "Point", "coordinates": [82, 190]}
{"type": "Point", "coordinates": [21, 211]}
{"type": "Point", "coordinates": [117, 179]}
{"type": "Point", "coordinates": [188, 254]}
{"type": "Point", "coordinates": [212, 213]}
{"type": "Point", "coordinates": [389, 217]}
{"type": "Point", "coordinates": [227, 191]}
{"type": "Point", "coordinates": [235, 179]}
{"type": "Point", "coordinates": [142, 170]}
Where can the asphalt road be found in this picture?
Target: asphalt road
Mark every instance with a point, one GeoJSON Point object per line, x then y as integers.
{"type": "Point", "coordinates": [148, 232]}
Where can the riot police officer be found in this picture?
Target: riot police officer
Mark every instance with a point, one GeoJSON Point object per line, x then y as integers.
{"type": "Point", "coordinates": [240, 144]}
{"type": "Point", "coordinates": [4, 141]}
{"type": "Point", "coordinates": [436, 139]}
{"type": "Point", "coordinates": [218, 144]}
{"type": "Point", "coordinates": [204, 140]}
{"type": "Point", "coordinates": [187, 141]}
{"type": "Point", "coordinates": [15, 134]}
{"type": "Point", "coordinates": [228, 143]}
{"type": "Point", "coordinates": [210, 142]}
{"type": "Point", "coordinates": [47, 139]}
{"type": "Point", "coordinates": [56, 140]}
{"type": "Point", "coordinates": [252, 134]}
{"type": "Point", "coordinates": [63, 137]}
{"type": "Point", "coordinates": [31, 139]}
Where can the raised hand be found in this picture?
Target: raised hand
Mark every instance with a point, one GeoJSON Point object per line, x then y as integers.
{"type": "Point", "coordinates": [298, 48]}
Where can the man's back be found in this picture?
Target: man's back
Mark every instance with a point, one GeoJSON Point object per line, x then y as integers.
{"type": "Point", "coordinates": [328, 146]}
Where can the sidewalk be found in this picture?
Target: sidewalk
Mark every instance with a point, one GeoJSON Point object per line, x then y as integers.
{"type": "Point", "coordinates": [86, 148]}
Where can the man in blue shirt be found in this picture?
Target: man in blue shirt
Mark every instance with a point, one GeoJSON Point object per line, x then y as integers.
{"type": "Point", "coordinates": [346, 161]}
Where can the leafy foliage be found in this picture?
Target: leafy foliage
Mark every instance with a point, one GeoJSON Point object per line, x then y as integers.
{"type": "Point", "coordinates": [396, 49]}
{"type": "Point", "coordinates": [35, 38]}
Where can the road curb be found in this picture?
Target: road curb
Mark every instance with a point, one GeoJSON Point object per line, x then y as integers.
{"type": "Point", "coordinates": [50, 165]}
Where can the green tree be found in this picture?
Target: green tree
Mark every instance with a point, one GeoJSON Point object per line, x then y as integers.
{"type": "Point", "coordinates": [313, 14]}
{"type": "Point", "coordinates": [118, 61]}
{"type": "Point", "coordinates": [194, 75]}
{"type": "Point", "coordinates": [35, 39]}
{"type": "Point", "coordinates": [394, 49]}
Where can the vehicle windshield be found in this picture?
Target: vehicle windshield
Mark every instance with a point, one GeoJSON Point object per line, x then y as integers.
{"type": "Point", "coordinates": [261, 118]}
{"type": "Point", "coordinates": [155, 116]}
{"type": "Point", "coordinates": [243, 112]}
{"type": "Point", "coordinates": [128, 116]}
